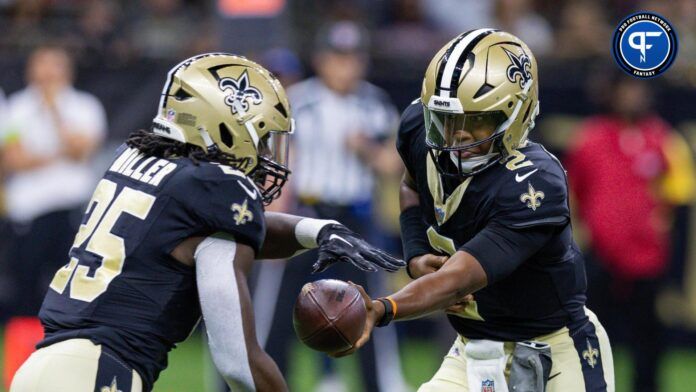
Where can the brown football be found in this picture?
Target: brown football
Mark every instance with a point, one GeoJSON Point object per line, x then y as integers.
{"type": "Point", "coordinates": [329, 315]}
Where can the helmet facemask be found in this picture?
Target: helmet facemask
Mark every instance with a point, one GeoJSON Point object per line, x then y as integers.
{"type": "Point", "coordinates": [461, 137]}
{"type": "Point", "coordinates": [271, 171]}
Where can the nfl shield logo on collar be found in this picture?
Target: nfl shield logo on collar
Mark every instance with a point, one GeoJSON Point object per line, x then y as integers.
{"type": "Point", "coordinates": [488, 386]}
{"type": "Point", "coordinates": [440, 214]}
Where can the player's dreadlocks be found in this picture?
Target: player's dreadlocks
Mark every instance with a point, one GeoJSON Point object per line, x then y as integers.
{"type": "Point", "coordinates": [150, 144]}
{"type": "Point", "coordinates": [268, 173]}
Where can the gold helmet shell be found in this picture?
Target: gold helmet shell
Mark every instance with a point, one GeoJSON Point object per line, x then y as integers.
{"type": "Point", "coordinates": [229, 104]}
{"type": "Point", "coordinates": [481, 75]}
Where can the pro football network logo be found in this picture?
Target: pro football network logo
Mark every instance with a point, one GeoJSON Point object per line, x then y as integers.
{"type": "Point", "coordinates": [645, 45]}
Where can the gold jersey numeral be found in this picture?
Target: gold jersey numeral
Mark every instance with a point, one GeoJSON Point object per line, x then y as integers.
{"type": "Point", "coordinates": [517, 160]}
{"type": "Point", "coordinates": [446, 245]}
{"type": "Point", "coordinates": [441, 243]}
{"type": "Point", "coordinates": [97, 231]}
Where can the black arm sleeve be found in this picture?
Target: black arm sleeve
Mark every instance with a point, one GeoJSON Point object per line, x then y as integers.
{"type": "Point", "coordinates": [413, 233]}
{"type": "Point", "coordinates": [500, 249]}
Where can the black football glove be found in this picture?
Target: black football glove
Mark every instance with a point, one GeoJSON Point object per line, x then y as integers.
{"type": "Point", "coordinates": [339, 243]}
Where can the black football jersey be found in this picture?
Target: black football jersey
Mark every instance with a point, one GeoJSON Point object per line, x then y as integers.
{"type": "Point", "coordinates": [121, 288]}
{"type": "Point", "coordinates": [528, 190]}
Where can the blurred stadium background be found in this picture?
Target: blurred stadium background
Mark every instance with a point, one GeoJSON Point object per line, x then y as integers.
{"type": "Point", "coordinates": [123, 49]}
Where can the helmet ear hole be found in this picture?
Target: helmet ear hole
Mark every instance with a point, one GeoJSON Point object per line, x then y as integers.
{"type": "Point", "coordinates": [262, 125]}
{"type": "Point", "coordinates": [225, 135]}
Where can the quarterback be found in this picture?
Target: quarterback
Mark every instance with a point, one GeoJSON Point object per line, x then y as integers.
{"type": "Point", "coordinates": [170, 234]}
{"type": "Point", "coordinates": [485, 211]}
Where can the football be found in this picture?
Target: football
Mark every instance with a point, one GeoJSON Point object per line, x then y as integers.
{"type": "Point", "coordinates": [329, 315]}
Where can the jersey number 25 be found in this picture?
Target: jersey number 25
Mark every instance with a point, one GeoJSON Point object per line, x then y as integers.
{"type": "Point", "coordinates": [106, 208]}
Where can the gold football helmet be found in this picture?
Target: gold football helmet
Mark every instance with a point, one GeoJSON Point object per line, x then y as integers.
{"type": "Point", "coordinates": [481, 79]}
{"type": "Point", "coordinates": [228, 104]}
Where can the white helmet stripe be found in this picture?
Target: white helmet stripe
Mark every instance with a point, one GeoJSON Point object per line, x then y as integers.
{"type": "Point", "coordinates": [170, 74]}
{"type": "Point", "coordinates": [452, 60]}
{"type": "Point", "coordinates": [252, 133]}
{"type": "Point", "coordinates": [247, 124]}
{"type": "Point", "coordinates": [170, 79]}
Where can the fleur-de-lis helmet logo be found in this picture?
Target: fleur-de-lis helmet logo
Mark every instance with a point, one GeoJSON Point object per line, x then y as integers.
{"type": "Point", "coordinates": [240, 92]}
{"type": "Point", "coordinates": [519, 69]}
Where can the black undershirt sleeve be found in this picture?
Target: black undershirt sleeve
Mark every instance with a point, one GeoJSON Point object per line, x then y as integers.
{"type": "Point", "coordinates": [500, 249]}
{"type": "Point", "coordinates": [413, 233]}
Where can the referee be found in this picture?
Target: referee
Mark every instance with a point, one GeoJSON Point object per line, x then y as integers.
{"type": "Point", "coordinates": [343, 125]}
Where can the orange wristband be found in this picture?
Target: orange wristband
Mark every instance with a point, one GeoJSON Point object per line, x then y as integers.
{"type": "Point", "coordinates": [390, 299]}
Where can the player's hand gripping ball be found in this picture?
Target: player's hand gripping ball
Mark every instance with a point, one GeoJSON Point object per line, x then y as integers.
{"type": "Point", "coordinates": [329, 315]}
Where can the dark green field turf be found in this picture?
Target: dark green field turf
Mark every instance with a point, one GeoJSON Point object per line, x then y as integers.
{"type": "Point", "coordinates": [420, 360]}
{"type": "Point", "coordinates": [189, 364]}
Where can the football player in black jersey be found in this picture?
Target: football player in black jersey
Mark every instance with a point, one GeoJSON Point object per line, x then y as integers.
{"type": "Point", "coordinates": [171, 232]}
{"type": "Point", "coordinates": [485, 211]}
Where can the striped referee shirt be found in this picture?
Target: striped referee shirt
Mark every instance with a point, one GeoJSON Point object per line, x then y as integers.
{"type": "Point", "coordinates": [324, 169]}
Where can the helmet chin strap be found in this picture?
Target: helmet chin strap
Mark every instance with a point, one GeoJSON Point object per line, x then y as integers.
{"type": "Point", "coordinates": [470, 164]}
{"type": "Point", "coordinates": [209, 143]}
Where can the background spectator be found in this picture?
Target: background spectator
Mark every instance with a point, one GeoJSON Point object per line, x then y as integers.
{"type": "Point", "coordinates": [345, 121]}
{"type": "Point", "coordinates": [407, 39]}
{"type": "Point", "coordinates": [97, 36]}
{"type": "Point", "coordinates": [583, 31]}
{"type": "Point", "coordinates": [161, 29]}
{"type": "Point", "coordinates": [457, 16]}
{"type": "Point", "coordinates": [628, 170]}
{"type": "Point", "coordinates": [284, 64]}
{"type": "Point", "coordinates": [519, 18]}
{"type": "Point", "coordinates": [50, 133]}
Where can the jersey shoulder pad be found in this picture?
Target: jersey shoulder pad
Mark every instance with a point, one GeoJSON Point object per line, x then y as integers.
{"type": "Point", "coordinates": [532, 194]}
{"type": "Point", "coordinates": [215, 172]}
{"type": "Point", "coordinates": [411, 119]}
{"type": "Point", "coordinates": [222, 199]}
{"type": "Point", "coordinates": [410, 131]}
